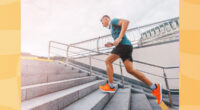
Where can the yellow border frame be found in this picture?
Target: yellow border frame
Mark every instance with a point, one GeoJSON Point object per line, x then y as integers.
{"type": "Point", "coordinates": [10, 55]}
{"type": "Point", "coordinates": [10, 92]}
{"type": "Point", "coordinates": [189, 55]}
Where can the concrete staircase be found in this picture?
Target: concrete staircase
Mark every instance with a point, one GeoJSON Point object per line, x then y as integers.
{"type": "Point", "coordinates": [55, 86]}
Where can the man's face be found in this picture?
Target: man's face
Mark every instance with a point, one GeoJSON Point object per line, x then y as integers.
{"type": "Point", "coordinates": [105, 21]}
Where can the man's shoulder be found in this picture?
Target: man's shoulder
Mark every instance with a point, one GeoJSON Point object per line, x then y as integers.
{"type": "Point", "coordinates": [115, 21]}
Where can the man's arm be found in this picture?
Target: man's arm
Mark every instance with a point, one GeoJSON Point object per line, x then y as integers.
{"type": "Point", "coordinates": [124, 24]}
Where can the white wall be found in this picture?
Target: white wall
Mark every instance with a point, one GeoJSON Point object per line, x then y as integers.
{"type": "Point", "coordinates": [163, 55]}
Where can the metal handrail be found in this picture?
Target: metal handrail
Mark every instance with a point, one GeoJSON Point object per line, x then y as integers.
{"type": "Point", "coordinates": [133, 60]}
{"type": "Point", "coordinates": [78, 47]}
{"type": "Point", "coordinates": [158, 66]}
{"type": "Point", "coordinates": [82, 49]}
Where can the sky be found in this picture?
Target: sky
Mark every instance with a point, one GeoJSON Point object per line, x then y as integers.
{"type": "Point", "coordinates": [70, 21]}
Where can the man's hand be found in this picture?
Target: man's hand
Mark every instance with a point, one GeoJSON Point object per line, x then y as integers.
{"type": "Point", "coordinates": [117, 41]}
{"type": "Point", "coordinates": [108, 44]}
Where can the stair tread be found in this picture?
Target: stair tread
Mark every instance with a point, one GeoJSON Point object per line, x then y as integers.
{"type": "Point", "coordinates": [120, 101]}
{"type": "Point", "coordinates": [96, 99]}
{"type": "Point", "coordinates": [154, 104]}
{"type": "Point", "coordinates": [44, 78]}
{"type": "Point", "coordinates": [140, 102]}
{"type": "Point", "coordinates": [36, 90]}
{"type": "Point", "coordinates": [174, 108]}
{"type": "Point", "coordinates": [56, 95]}
{"type": "Point", "coordinates": [54, 82]}
{"type": "Point", "coordinates": [175, 99]}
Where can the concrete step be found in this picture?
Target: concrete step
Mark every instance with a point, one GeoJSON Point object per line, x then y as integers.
{"type": "Point", "coordinates": [154, 104]}
{"type": "Point", "coordinates": [40, 67]}
{"type": "Point", "coordinates": [44, 78]}
{"type": "Point", "coordinates": [33, 70]}
{"type": "Point", "coordinates": [58, 100]}
{"type": "Point", "coordinates": [52, 77]}
{"type": "Point", "coordinates": [140, 102]}
{"type": "Point", "coordinates": [147, 90]}
{"type": "Point", "coordinates": [94, 101]}
{"type": "Point", "coordinates": [120, 101]}
{"type": "Point", "coordinates": [141, 91]}
{"type": "Point", "coordinates": [32, 91]}
{"type": "Point", "coordinates": [174, 108]}
{"type": "Point", "coordinates": [175, 100]}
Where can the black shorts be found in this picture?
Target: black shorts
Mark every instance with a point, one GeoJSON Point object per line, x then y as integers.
{"type": "Point", "coordinates": [124, 51]}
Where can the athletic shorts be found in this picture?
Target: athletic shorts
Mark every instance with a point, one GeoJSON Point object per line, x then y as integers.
{"type": "Point", "coordinates": [124, 51]}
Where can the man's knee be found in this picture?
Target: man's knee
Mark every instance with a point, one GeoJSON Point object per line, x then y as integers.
{"type": "Point", "coordinates": [129, 70]}
{"type": "Point", "coordinates": [108, 61]}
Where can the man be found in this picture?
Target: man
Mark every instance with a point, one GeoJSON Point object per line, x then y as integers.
{"type": "Point", "coordinates": [123, 49]}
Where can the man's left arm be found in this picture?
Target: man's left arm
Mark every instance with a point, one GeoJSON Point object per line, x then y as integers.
{"type": "Point", "coordinates": [124, 25]}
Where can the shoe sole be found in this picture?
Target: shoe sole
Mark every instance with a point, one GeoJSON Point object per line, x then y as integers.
{"type": "Point", "coordinates": [160, 93]}
{"type": "Point", "coordinates": [107, 91]}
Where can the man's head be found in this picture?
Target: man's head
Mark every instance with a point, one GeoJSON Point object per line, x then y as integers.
{"type": "Point", "coordinates": [105, 20]}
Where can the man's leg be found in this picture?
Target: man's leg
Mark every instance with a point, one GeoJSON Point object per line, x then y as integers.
{"type": "Point", "coordinates": [129, 68]}
{"type": "Point", "coordinates": [156, 88]}
{"type": "Point", "coordinates": [109, 87]}
{"type": "Point", "coordinates": [109, 67]}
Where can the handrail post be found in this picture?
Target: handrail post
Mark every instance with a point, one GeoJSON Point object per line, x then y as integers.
{"type": "Point", "coordinates": [138, 28]}
{"type": "Point", "coordinates": [49, 50]}
{"type": "Point", "coordinates": [122, 77]}
{"type": "Point", "coordinates": [67, 54]}
{"type": "Point", "coordinates": [167, 86]}
{"type": "Point", "coordinates": [98, 44]}
{"type": "Point", "coordinates": [90, 61]}
{"type": "Point", "coordinates": [140, 41]}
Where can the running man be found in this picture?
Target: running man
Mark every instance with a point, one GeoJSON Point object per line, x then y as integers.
{"type": "Point", "coordinates": [123, 49]}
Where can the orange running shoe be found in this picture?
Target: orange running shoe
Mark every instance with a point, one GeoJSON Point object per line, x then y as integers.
{"type": "Point", "coordinates": [158, 93]}
{"type": "Point", "coordinates": [106, 88]}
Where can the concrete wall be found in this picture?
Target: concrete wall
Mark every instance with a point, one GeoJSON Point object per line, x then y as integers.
{"type": "Point", "coordinates": [163, 54]}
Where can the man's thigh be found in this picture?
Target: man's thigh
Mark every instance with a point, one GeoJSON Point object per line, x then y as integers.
{"type": "Point", "coordinates": [128, 65]}
{"type": "Point", "coordinates": [112, 57]}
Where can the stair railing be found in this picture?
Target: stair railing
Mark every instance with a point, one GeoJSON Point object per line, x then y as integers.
{"type": "Point", "coordinates": [120, 65]}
